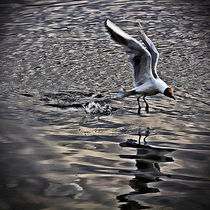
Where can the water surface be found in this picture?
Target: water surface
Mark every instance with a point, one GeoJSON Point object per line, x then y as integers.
{"type": "Point", "coordinates": [57, 58]}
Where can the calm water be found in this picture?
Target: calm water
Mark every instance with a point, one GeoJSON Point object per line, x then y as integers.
{"type": "Point", "coordinates": [56, 57]}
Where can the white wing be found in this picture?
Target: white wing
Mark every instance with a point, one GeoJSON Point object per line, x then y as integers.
{"type": "Point", "coordinates": [151, 48]}
{"type": "Point", "coordinates": [139, 56]}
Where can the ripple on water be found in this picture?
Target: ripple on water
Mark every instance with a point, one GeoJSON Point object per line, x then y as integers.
{"type": "Point", "coordinates": [56, 61]}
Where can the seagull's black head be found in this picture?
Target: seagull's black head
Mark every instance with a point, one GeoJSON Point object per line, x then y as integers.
{"type": "Point", "coordinates": [169, 93]}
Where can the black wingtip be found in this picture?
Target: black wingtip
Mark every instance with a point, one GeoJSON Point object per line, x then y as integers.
{"type": "Point", "coordinates": [105, 22]}
{"type": "Point", "coordinates": [118, 38]}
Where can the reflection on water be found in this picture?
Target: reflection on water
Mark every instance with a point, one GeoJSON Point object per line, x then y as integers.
{"type": "Point", "coordinates": [66, 142]}
{"type": "Point", "coordinates": [147, 171]}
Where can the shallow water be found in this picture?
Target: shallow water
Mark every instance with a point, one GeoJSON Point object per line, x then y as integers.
{"type": "Point", "coordinates": [57, 61]}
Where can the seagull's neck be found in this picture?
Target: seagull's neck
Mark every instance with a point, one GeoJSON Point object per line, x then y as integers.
{"type": "Point", "coordinates": [161, 85]}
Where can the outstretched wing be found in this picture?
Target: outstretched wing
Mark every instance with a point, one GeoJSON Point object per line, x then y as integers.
{"type": "Point", "coordinates": [151, 48]}
{"type": "Point", "coordinates": [139, 56]}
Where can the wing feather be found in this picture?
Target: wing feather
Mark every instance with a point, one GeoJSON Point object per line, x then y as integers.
{"type": "Point", "coordinates": [138, 55]}
{"type": "Point", "coordinates": [151, 48]}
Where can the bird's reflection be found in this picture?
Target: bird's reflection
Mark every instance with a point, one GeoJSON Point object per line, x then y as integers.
{"type": "Point", "coordinates": [147, 170]}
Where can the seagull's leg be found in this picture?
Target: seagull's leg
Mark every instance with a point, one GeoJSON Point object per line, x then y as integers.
{"type": "Point", "coordinates": [145, 139]}
{"type": "Point", "coordinates": [139, 137]}
{"type": "Point", "coordinates": [147, 105]}
{"type": "Point", "coordinates": [139, 105]}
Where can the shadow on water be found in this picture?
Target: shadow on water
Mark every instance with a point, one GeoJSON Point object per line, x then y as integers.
{"type": "Point", "coordinates": [148, 159]}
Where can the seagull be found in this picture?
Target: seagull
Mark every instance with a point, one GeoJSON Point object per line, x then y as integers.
{"type": "Point", "coordinates": [143, 60]}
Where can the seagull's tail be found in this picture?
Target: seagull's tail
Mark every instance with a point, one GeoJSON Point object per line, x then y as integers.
{"type": "Point", "coordinates": [123, 94]}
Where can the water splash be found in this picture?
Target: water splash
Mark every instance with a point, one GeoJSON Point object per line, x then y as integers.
{"type": "Point", "coordinates": [97, 108]}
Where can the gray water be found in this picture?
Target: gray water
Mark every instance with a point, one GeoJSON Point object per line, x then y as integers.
{"type": "Point", "coordinates": [56, 62]}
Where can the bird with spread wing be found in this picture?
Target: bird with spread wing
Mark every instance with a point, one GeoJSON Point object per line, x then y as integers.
{"type": "Point", "coordinates": [144, 61]}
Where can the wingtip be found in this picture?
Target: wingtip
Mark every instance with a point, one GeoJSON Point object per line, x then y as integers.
{"type": "Point", "coordinates": [140, 25]}
{"type": "Point", "coordinates": [105, 22]}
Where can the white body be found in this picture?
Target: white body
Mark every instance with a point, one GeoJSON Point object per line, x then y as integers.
{"type": "Point", "coordinates": [151, 87]}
